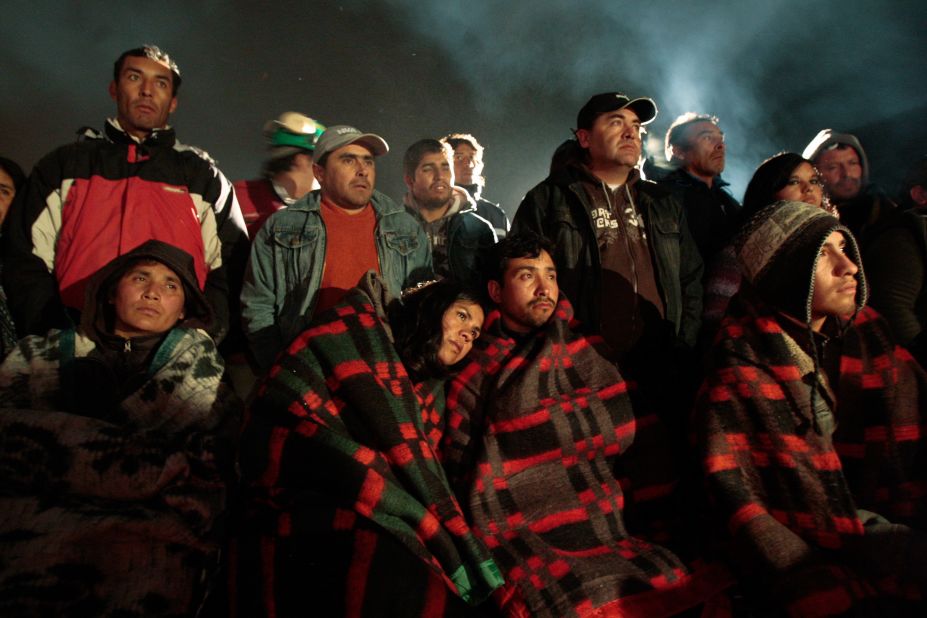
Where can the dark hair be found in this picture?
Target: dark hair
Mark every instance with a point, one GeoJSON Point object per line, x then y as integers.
{"type": "Point", "coordinates": [417, 151]}
{"type": "Point", "coordinates": [676, 134]}
{"type": "Point", "coordinates": [152, 52]}
{"type": "Point", "coordinates": [418, 329]}
{"type": "Point", "coordinates": [456, 139]}
{"type": "Point", "coordinates": [771, 176]}
{"type": "Point", "coordinates": [14, 171]}
{"type": "Point", "coordinates": [272, 167]}
{"type": "Point", "coordinates": [525, 244]}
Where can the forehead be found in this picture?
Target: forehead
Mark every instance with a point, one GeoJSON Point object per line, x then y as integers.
{"type": "Point", "coordinates": [542, 262]}
{"type": "Point", "coordinates": [463, 148]}
{"type": "Point", "coordinates": [147, 65]}
{"type": "Point", "coordinates": [432, 158]}
{"type": "Point", "coordinates": [627, 114]}
{"type": "Point", "coordinates": [702, 127]}
{"type": "Point", "coordinates": [804, 168]}
{"type": "Point", "coordinates": [151, 267]}
{"type": "Point", "coordinates": [471, 307]}
{"type": "Point", "coordinates": [836, 238]}
{"type": "Point", "coordinates": [838, 155]}
{"type": "Point", "coordinates": [356, 150]}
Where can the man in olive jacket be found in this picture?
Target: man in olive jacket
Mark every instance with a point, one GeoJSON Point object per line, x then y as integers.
{"type": "Point", "coordinates": [624, 253]}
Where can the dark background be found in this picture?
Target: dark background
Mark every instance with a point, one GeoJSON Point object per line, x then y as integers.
{"type": "Point", "coordinates": [512, 73]}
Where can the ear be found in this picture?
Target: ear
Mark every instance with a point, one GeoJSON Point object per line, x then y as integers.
{"type": "Point", "coordinates": [173, 106]}
{"type": "Point", "coordinates": [318, 172]}
{"type": "Point", "coordinates": [582, 136]}
{"type": "Point", "coordinates": [409, 181]}
{"type": "Point", "coordinates": [112, 90]}
{"type": "Point", "coordinates": [495, 291]}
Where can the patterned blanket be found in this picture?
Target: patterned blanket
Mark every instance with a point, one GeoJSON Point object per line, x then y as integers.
{"type": "Point", "coordinates": [105, 518]}
{"type": "Point", "coordinates": [537, 431]}
{"type": "Point", "coordinates": [348, 510]}
{"type": "Point", "coordinates": [790, 494]}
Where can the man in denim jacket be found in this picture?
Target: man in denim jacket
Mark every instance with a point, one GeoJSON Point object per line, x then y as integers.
{"type": "Point", "coordinates": [307, 256]}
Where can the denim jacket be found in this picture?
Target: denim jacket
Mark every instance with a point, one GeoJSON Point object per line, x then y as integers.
{"type": "Point", "coordinates": [284, 273]}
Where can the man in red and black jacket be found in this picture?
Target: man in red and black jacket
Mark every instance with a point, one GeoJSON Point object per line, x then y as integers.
{"type": "Point", "coordinates": [107, 193]}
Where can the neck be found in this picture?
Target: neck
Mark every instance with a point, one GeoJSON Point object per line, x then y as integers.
{"type": "Point", "coordinates": [432, 214]}
{"type": "Point", "coordinates": [611, 175]}
{"type": "Point", "coordinates": [350, 209]}
{"type": "Point", "coordinates": [708, 180]}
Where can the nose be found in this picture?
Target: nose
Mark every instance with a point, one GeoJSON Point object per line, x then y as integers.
{"type": "Point", "coordinates": [543, 287]}
{"type": "Point", "coordinates": [465, 335]}
{"type": "Point", "coordinates": [151, 292]}
{"type": "Point", "coordinates": [846, 266]}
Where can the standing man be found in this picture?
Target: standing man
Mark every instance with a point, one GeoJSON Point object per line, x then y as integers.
{"type": "Point", "coordinates": [624, 254]}
{"type": "Point", "coordinates": [695, 147]}
{"type": "Point", "coordinates": [100, 197]}
{"type": "Point", "coordinates": [842, 163]}
{"type": "Point", "coordinates": [468, 172]}
{"type": "Point", "coordinates": [307, 256]}
{"type": "Point", "coordinates": [458, 235]}
{"type": "Point", "coordinates": [288, 175]}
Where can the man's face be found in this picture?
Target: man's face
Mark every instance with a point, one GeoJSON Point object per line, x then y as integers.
{"type": "Point", "coordinates": [704, 150]}
{"type": "Point", "coordinates": [842, 172]}
{"type": "Point", "coordinates": [528, 292]}
{"type": "Point", "coordinates": [7, 193]}
{"type": "Point", "coordinates": [468, 164]}
{"type": "Point", "coordinates": [143, 95]}
{"type": "Point", "coordinates": [433, 182]}
{"type": "Point", "coordinates": [348, 177]}
{"type": "Point", "coordinates": [834, 282]}
{"type": "Point", "coordinates": [148, 300]}
{"type": "Point", "coordinates": [614, 139]}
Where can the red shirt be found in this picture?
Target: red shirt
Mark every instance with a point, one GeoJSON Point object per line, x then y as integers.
{"type": "Point", "coordinates": [350, 251]}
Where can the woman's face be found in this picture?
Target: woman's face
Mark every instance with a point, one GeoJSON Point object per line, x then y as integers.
{"type": "Point", "coordinates": [7, 193]}
{"type": "Point", "coordinates": [804, 185]}
{"type": "Point", "coordinates": [460, 326]}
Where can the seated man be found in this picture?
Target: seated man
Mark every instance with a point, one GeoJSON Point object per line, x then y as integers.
{"type": "Point", "coordinates": [117, 443]}
{"type": "Point", "coordinates": [809, 427]}
{"type": "Point", "coordinates": [537, 424]}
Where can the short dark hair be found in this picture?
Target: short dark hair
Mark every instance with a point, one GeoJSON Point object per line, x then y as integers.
{"type": "Point", "coordinates": [676, 134]}
{"type": "Point", "coordinates": [14, 171]}
{"type": "Point", "coordinates": [525, 244]}
{"type": "Point", "coordinates": [272, 167]}
{"type": "Point", "coordinates": [417, 325]}
{"type": "Point", "coordinates": [456, 139]}
{"type": "Point", "coordinates": [152, 52]}
{"type": "Point", "coordinates": [417, 151]}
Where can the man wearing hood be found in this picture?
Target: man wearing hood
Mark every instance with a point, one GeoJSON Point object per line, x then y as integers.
{"type": "Point", "coordinates": [118, 448]}
{"type": "Point", "coordinates": [842, 163]}
{"type": "Point", "coordinates": [809, 427]}
{"type": "Point", "coordinates": [468, 174]}
{"type": "Point", "coordinates": [103, 195]}
{"type": "Point", "coordinates": [458, 236]}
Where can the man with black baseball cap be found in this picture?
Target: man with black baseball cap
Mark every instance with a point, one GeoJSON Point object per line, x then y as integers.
{"type": "Point", "coordinates": [624, 254]}
{"type": "Point", "coordinates": [308, 255]}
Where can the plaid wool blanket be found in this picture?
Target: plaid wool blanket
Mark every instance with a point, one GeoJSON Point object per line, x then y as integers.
{"type": "Point", "coordinates": [799, 504]}
{"type": "Point", "coordinates": [536, 434]}
{"type": "Point", "coordinates": [349, 512]}
{"type": "Point", "coordinates": [112, 517]}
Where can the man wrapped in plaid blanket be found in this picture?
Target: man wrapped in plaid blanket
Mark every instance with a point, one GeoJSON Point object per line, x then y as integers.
{"type": "Point", "coordinates": [538, 426]}
{"type": "Point", "coordinates": [349, 512]}
{"type": "Point", "coordinates": [810, 428]}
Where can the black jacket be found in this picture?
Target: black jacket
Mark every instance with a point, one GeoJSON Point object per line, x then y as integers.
{"type": "Point", "coordinates": [710, 211]}
{"type": "Point", "coordinates": [558, 209]}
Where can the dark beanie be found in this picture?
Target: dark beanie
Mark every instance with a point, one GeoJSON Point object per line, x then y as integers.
{"type": "Point", "coordinates": [778, 251]}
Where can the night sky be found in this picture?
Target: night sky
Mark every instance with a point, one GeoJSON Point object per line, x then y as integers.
{"type": "Point", "coordinates": [512, 73]}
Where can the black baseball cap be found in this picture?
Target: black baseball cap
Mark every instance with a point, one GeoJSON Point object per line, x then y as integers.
{"type": "Point", "coordinates": [599, 104]}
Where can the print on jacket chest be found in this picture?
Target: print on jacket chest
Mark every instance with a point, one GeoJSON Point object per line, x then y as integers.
{"type": "Point", "coordinates": [608, 227]}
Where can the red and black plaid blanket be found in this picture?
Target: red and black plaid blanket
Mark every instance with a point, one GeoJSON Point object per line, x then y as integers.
{"type": "Point", "coordinates": [349, 511]}
{"type": "Point", "coordinates": [537, 428]}
{"type": "Point", "coordinates": [787, 491]}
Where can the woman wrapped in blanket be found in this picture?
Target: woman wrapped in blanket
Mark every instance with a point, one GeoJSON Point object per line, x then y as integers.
{"type": "Point", "coordinates": [348, 511]}
{"type": "Point", "coordinates": [116, 449]}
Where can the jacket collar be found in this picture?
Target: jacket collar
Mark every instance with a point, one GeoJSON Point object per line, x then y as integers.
{"type": "Point", "coordinates": [116, 134]}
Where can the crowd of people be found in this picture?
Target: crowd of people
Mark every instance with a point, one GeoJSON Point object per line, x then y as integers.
{"type": "Point", "coordinates": [293, 395]}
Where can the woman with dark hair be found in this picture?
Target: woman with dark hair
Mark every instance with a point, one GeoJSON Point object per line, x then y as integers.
{"type": "Point", "coordinates": [347, 507]}
{"type": "Point", "coordinates": [12, 180]}
{"type": "Point", "coordinates": [116, 453]}
{"type": "Point", "coordinates": [785, 176]}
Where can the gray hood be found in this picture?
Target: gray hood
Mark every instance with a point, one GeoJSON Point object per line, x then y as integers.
{"type": "Point", "coordinates": [828, 138]}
